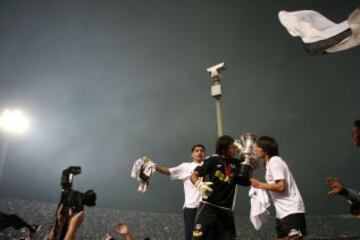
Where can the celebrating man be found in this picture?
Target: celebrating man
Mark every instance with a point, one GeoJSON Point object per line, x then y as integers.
{"type": "Point", "coordinates": [289, 206]}
{"type": "Point", "coordinates": [216, 182]}
{"type": "Point", "coordinates": [192, 197]}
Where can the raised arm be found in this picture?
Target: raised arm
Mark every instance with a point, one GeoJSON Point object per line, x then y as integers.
{"type": "Point", "coordinates": [163, 170]}
{"type": "Point", "coordinates": [336, 187]}
{"type": "Point", "coordinates": [123, 230]}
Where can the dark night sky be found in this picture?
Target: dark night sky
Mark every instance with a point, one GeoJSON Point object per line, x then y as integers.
{"type": "Point", "coordinates": [106, 82]}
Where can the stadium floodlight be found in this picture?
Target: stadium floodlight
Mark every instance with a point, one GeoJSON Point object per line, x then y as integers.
{"type": "Point", "coordinates": [14, 121]}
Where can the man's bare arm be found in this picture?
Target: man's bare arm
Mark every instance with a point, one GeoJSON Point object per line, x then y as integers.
{"type": "Point", "coordinates": [279, 185]}
{"type": "Point", "coordinates": [163, 170]}
{"type": "Point", "coordinates": [74, 223]}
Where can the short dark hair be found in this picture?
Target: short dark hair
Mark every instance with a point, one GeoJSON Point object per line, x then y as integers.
{"type": "Point", "coordinates": [198, 145]}
{"type": "Point", "coordinates": [222, 144]}
{"type": "Point", "coordinates": [268, 145]}
{"type": "Point", "coordinates": [357, 123]}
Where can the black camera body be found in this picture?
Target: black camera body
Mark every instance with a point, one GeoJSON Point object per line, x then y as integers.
{"type": "Point", "coordinates": [72, 199]}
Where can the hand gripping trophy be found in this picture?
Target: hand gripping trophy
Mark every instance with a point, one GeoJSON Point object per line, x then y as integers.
{"type": "Point", "coordinates": [246, 146]}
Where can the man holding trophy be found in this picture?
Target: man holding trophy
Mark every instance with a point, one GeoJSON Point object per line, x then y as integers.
{"type": "Point", "coordinates": [216, 181]}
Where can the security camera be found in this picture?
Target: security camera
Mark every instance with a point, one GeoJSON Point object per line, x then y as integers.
{"type": "Point", "coordinates": [215, 70]}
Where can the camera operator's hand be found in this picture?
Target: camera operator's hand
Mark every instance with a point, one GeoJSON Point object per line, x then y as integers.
{"type": "Point", "coordinates": [75, 220]}
{"type": "Point", "coordinates": [59, 215]}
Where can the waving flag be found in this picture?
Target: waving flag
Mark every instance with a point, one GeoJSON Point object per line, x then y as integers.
{"type": "Point", "coordinates": [319, 34]}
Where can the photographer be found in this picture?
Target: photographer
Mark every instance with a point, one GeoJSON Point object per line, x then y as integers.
{"type": "Point", "coordinates": [70, 211]}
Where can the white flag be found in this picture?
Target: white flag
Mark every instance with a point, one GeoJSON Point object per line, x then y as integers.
{"type": "Point", "coordinates": [319, 34]}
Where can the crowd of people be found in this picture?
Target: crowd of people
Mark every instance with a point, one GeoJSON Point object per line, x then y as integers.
{"type": "Point", "coordinates": [209, 187]}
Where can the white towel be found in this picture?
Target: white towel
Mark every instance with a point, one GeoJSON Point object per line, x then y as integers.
{"type": "Point", "coordinates": [260, 203]}
{"type": "Point", "coordinates": [143, 166]}
{"type": "Point", "coordinates": [135, 170]}
{"type": "Point", "coordinates": [319, 34]}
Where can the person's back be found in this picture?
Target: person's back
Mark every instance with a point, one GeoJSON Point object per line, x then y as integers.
{"type": "Point", "coordinates": [220, 171]}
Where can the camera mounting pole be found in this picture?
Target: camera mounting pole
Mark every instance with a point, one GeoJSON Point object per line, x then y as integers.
{"type": "Point", "coordinates": [216, 93]}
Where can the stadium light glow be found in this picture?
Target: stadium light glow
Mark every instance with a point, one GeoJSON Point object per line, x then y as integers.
{"type": "Point", "coordinates": [14, 121]}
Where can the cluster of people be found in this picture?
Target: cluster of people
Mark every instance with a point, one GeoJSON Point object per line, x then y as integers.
{"type": "Point", "coordinates": [210, 186]}
{"type": "Point", "coordinates": [210, 183]}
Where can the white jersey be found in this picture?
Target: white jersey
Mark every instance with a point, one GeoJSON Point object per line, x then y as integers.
{"type": "Point", "coordinates": [183, 172]}
{"type": "Point", "coordinates": [290, 201]}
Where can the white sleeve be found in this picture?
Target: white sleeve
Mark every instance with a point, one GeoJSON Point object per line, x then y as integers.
{"type": "Point", "coordinates": [277, 170]}
{"type": "Point", "coordinates": [179, 172]}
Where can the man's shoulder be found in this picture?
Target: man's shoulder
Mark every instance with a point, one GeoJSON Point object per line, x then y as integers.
{"type": "Point", "coordinates": [276, 159]}
{"type": "Point", "coordinates": [210, 160]}
{"type": "Point", "coordinates": [190, 164]}
{"type": "Point", "coordinates": [183, 165]}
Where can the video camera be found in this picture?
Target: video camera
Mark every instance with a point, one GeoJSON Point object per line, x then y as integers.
{"type": "Point", "coordinates": [73, 199]}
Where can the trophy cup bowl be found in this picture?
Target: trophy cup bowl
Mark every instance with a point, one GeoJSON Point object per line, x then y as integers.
{"type": "Point", "coordinates": [246, 146]}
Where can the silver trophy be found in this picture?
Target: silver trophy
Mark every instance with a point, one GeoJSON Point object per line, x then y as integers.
{"type": "Point", "coordinates": [246, 146]}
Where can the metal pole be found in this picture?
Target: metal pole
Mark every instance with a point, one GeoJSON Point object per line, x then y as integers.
{"type": "Point", "coordinates": [216, 94]}
{"type": "Point", "coordinates": [219, 121]}
{"type": "Point", "coordinates": [4, 151]}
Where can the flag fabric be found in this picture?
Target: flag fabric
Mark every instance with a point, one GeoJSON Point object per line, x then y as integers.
{"type": "Point", "coordinates": [320, 35]}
